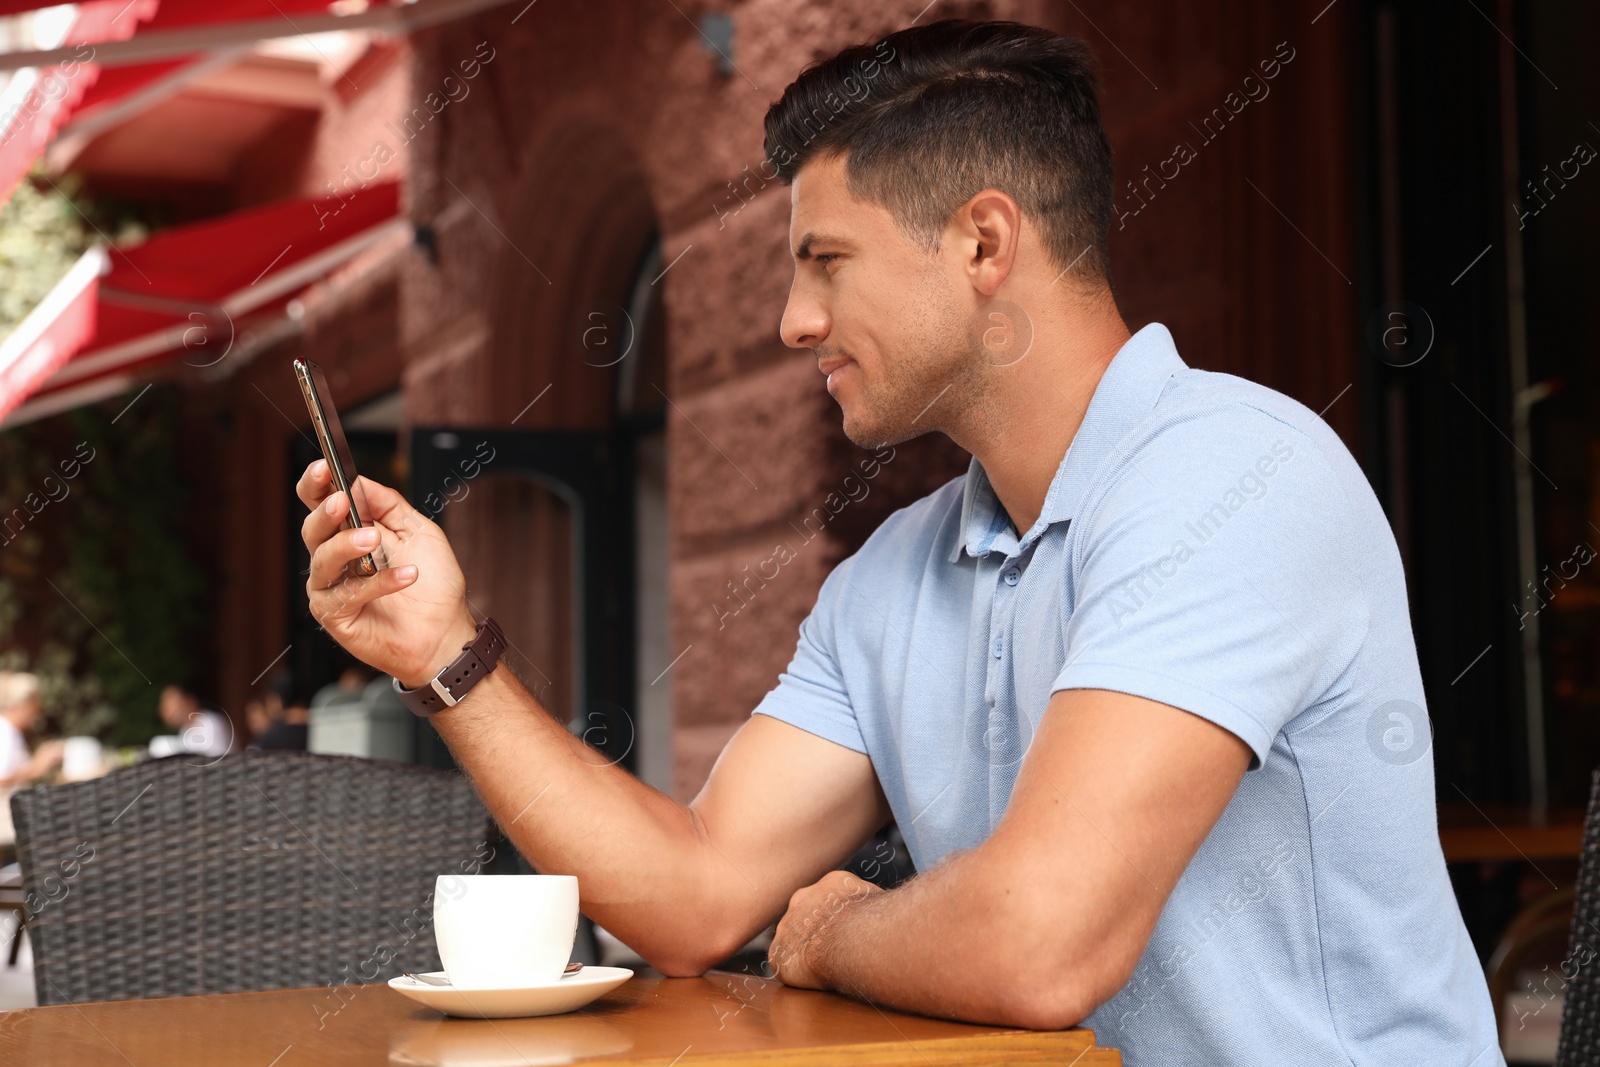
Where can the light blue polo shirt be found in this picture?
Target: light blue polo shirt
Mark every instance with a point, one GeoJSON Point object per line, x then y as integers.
{"type": "Point", "coordinates": [1208, 543]}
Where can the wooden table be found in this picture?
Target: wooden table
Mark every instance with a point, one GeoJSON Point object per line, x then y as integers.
{"type": "Point", "coordinates": [718, 1019]}
{"type": "Point", "coordinates": [1490, 833]}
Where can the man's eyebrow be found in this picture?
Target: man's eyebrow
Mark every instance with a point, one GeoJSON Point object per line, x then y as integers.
{"type": "Point", "coordinates": [818, 239]}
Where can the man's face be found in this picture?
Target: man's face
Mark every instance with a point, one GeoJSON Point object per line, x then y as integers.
{"type": "Point", "coordinates": [174, 707]}
{"type": "Point", "coordinates": [890, 322]}
{"type": "Point", "coordinates": [26, 715]}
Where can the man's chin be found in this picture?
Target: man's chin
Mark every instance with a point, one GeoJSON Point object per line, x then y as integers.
{"type": "Point", "coordinates": [876, 433]}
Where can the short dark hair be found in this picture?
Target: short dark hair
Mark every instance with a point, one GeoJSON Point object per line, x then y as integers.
{"type": "Point", "coordinates": [929, 116]}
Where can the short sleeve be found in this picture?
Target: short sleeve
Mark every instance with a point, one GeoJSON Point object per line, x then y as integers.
{"type": "Point", "coordinates": [1219, 574]}
{"type": "Point", "coordinates": [13, 750]}
{"type": "Point", "coordinates": [811, 693]}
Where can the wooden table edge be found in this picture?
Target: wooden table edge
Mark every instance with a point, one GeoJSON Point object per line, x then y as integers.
{"type": "Point", "coordinates": [997, 1048]}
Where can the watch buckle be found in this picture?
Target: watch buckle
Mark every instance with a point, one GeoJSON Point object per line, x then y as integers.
{"type": "Point", "coordinates": [444, 693]}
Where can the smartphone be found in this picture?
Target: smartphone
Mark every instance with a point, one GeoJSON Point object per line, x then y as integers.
{"type": "Point", "coordinates": [336, 450]}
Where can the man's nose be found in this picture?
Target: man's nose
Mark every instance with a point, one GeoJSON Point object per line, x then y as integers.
{"type": "Point", "coordinates": [805, 322]}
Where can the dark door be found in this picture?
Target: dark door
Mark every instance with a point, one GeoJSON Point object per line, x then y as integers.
{"type": "Point", "coordinates": [544, 521]}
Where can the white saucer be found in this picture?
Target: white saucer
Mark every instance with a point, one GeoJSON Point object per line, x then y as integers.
{"type": "Point", "coordinates": [551, 998]}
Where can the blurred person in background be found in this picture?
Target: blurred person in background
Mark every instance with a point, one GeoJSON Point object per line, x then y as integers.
{"type": "Point", "coordinates": [286, 728]}
{"type": "Point", "coordinates": [348, 686]}
{"type": "Point", "coordinates": [199, 730]}
{"type": "Point", "coordinates": [19, 712]}
{"type": "Point", "coordinates": [260, 712]}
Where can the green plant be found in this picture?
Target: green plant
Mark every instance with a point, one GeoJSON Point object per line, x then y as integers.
{"type": "Point", "coordinates": [116, 601]}
{"type": "Point", "coordinates": [128, 567]}
{"type": "Point", "coordinates": [44, 228]}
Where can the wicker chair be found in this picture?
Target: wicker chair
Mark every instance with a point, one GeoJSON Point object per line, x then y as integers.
{"type": "Point", "coordinates": [1580, 1015]}
{"type": "Point", "coordinates": [264, 870]}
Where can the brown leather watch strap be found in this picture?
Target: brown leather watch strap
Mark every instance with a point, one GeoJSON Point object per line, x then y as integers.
{"type": "Point", "coordinates": [477, 659]}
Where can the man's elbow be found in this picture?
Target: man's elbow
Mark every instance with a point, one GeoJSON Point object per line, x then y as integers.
{"type": "Point", "coordinates": [1061, 989]}
{"type": "Point", "coordinates": [687, 960]}
{"type": "Point", "coordinates": [676, 967]}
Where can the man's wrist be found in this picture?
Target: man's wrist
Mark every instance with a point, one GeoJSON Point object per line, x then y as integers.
{"type": "Point", "coordinates": [456, 638]}
{"type": "Point", "coordinates": [819, 952]}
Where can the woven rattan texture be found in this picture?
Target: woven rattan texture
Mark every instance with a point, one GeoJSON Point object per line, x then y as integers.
{"type": "Point", "coordinates": [257, 871]}
{"type": "Point", "coordinates": [1580, 1015]}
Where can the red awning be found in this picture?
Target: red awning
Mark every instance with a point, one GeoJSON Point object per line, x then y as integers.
{"type": "Point", "coordinates": [176, 13]}
{"type": "Point", "coordinates": [37, 102]}
{"type": "Point", "coordinates": [40, 100]}
{"type": "Point", "coordinates": [184, 291]}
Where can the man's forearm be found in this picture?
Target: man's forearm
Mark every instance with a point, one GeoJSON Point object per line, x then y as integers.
{"type": "Point", "coordinates": [941, 944]}
{"type": "Point", "coordinates": [641, 858]}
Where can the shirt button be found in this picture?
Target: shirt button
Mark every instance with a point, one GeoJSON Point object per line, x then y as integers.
{"type": "Point", "coordinates": [1012, 576]}
{"type": "Point", "coordinates": [999, 645]}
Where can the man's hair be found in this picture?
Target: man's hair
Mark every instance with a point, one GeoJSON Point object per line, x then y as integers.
{"type": "Point", "coordinates": [16, 689]}
{"type": "Point", "coordinates": [930, 116]}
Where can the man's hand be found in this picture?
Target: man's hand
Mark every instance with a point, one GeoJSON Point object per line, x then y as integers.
{"type": "Point", "coordinates": [411, 618]}
{"type": "Point", "coordinates": [805, 924]}
{"type": "Point", "coordinates": [45, 758]}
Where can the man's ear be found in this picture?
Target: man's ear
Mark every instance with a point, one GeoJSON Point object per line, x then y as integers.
{"type": "Point", "coordinates": [988, 228]}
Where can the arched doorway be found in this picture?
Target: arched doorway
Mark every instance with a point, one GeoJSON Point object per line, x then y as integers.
{"type": "Point", "coordinates": [556, 502]}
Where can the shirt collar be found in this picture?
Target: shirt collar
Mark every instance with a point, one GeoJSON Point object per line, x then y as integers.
{"type": "Point", "coordinates": [1127, 391]}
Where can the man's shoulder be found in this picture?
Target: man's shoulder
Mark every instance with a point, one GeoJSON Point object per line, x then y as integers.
{"type": "Point", "coordinates": [1207, 423]}
{"type": "Point", "coordinates": [1216, 440]}
{"type": "Point", "coordinates": [1214, 401]}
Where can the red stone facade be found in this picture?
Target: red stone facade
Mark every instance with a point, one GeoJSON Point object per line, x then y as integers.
{"type": "Point", "coordinates": [590, 126]}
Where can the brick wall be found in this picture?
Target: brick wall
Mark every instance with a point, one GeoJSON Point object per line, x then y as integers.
{"type": "Point", "coordinates": [599, 113]}
{"type": "Point", "coordinates": [589, 126]}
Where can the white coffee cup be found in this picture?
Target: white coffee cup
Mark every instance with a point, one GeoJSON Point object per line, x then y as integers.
{"type": "Point", "coordinates": [81, 757]}
{"type": "Point", "coordinates": [505, 931]}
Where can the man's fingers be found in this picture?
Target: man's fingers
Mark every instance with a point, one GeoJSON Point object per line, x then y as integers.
{"type": "Point", "coordinates": [314, 484]}
{"type": "Point", "coordinates": [346, 599]}
{"type": "Point", "coordinates": [380, 504]}
{"type": "Point", "coordinates": [387, 506]}
{"type": "Point", "coordinates": [329, 559]}
{"type": "Point", "coordinates": [323, 521]}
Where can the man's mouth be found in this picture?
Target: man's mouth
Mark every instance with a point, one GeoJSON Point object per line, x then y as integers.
{"type": "Point", "coordinates": [833, 367]}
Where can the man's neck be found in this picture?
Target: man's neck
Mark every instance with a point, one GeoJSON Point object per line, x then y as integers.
{"type": "Point", "coordinates": [1036, 407]}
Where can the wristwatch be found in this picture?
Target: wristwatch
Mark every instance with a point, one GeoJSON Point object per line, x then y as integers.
{"type": "Point", "coordinates": [445, 690]}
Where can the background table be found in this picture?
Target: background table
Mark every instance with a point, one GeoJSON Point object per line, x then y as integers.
{"type": "Point", "coordinates": [719, 1019]}
{"type": "Point", "coordinates": [1499, 833]}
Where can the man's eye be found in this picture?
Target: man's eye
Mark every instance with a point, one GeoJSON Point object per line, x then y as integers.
{"type": "Point", "coordinates": [826, 258]}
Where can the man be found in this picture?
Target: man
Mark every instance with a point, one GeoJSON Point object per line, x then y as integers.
{"type": "Point", "coordinates": [199, 730]}
{"type": "Point", "coordinates": [19, 711]}
{"type": "Point", "coordinates": [275, 727]}
{"type": "Point", "coordinates": [1139, 690]}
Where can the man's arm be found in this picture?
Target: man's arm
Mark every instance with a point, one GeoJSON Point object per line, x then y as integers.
{"type": "Point", "coordinates": [684, 886]}
{"type": "Point", "coordinates": [44, 759]}
{"type": "Point", "coordinates": [1046, 919]}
